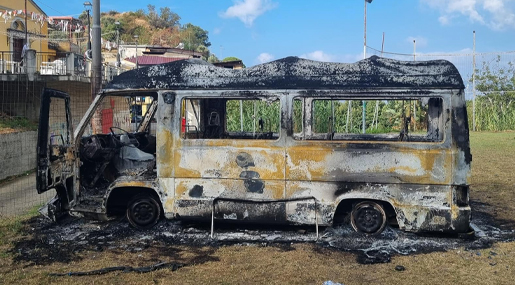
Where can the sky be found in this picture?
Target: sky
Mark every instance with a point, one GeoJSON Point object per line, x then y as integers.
{"type": "Point", "coordinates": [259, 31]}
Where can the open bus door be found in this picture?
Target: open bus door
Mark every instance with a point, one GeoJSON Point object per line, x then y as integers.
{"type": "Point", "coordinates": [56, 152]}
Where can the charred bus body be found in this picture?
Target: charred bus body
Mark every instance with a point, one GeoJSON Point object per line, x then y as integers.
{"type": "Point", "coordinates": [275, 143]}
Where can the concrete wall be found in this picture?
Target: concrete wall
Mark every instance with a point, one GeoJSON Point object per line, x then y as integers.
{"type": "Point", "coordinates": [18, 153]}
{"type": "Point", "coordinates": [22, 98]}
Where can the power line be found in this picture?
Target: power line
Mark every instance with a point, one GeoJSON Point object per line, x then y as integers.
{"type": "Point", "coordinates": [39, 2]}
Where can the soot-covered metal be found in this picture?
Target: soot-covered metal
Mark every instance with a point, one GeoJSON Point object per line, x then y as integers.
{"type": "Point", "coordinates": [195, 167]}
{"type": "Point", "coordinates": [293, 73]}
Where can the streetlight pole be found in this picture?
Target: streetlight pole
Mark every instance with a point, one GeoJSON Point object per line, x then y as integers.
{"type": "Point", "coordinates": [365, 56]}
{"type": "Point", "coordinates": [136, 37]}
{"type": "Point", "coordinates": [87, 6]}
{"type": "Point", "coordinates": [118, 63]}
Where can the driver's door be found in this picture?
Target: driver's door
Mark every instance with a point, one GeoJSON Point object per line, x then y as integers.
{"type": "Point", "coordinates": [55, 149]}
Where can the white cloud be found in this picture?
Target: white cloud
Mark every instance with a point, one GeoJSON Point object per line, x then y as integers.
{"type": "Point", "coordinates": [265, 57]}
{"type": "Point", "coordinates": [248, 10]}
{"type": "Point", "coordinates": [318, 56]}
{"type": "Point", "coordinates": [496, 14]}
{"type": "Point", "coordinates": [444, 20]}
{"type": "Point", "coordinates": [421, 41]}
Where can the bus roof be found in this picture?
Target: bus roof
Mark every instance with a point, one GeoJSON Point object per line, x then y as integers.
{"type": "Point", "coordinates": [292, 73]}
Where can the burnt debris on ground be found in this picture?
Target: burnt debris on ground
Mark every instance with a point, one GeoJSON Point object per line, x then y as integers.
{"type": "Point", "coordinates": [46, 242]}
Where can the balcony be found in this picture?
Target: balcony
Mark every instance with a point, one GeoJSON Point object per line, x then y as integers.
{"type": "Point", "coordinates": [65, 64]}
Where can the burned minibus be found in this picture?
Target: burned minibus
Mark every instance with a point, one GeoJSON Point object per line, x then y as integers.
{"type": "Point", "coordinates": [292, 141]}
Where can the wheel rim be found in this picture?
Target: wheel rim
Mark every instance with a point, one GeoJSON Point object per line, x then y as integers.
{"type": "Point", "coordinates": [144, 212]}
{"type": "Point", "coordinates": [368, 217]}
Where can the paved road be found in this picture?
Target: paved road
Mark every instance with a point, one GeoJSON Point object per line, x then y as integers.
{"type": "Point", "coordinates": [20, 195]}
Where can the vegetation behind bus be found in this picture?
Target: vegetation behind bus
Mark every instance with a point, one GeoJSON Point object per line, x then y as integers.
{"type": "Point", "coordinates": [382, 116]}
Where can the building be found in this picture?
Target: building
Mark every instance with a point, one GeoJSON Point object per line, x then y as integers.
{"type": "Point", "coordinates": [152, 55]}
{"type": "Point", "coordinates": [14, 22]}
{"type": "Point", "coordinates": [235, 64]}
{"type": "Point", "coordinates": [67, 31]}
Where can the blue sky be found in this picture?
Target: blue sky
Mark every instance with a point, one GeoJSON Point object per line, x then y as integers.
{"type": "Point", "coordinates": [331, 30]}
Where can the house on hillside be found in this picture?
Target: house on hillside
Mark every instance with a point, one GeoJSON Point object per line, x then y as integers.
{"type": "Point", "coordinates": [15, 25]}
{"type": "Point", "coordinates": [65, 32]}
{"type": "Point", "coordinates": [152, 55]}
{"type": "Point", "coordinates": [234, 64]}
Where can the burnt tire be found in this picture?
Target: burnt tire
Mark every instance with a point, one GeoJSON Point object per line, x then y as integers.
{"type": "Point", "coordinates": [368, 217]}
{"type": "Point", "coordinates": [143, 211]}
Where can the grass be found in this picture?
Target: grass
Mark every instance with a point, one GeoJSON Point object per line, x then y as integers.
{"type": "Point", "coordinates": [11, 228]}
{"type": "Point", "coordinates": [16, 124]}
{"type": "Point", "coordinates": [493, 171]}
{"type": "Point", "coordinates": [493, 178]}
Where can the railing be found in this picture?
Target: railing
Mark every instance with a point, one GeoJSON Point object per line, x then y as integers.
{"type": "Point", "coordinates": [60, 63]}
{"type": "Point", "coordinates": [10, 62]}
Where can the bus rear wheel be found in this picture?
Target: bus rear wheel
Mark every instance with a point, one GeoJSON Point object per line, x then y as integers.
{"type": "Point", "coordinates": [368, 217]}
{"type": "Point", "coordinates": [143, 211]}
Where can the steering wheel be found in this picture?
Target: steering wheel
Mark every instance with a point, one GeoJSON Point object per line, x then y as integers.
{"type": "Point", "coordinates": [131, 137]}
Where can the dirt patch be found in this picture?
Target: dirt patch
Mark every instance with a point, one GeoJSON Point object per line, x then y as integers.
{"type": "Point", "coordinates": [46, 243]}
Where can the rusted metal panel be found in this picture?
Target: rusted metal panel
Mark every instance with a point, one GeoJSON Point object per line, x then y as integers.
{"type": "Point", "coordinates": [419, 207]}
{"type": "Point", "coordinates": [195, 198]}
{"type": "Point", "coordinates": [344, 162]}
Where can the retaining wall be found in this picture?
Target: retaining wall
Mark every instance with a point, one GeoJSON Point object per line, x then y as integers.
{"type": "Point", "coordinates": [17, 153]}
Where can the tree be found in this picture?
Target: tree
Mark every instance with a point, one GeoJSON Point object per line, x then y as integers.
{"type": "Point", "coordinates": [204, 50]}
{"type": "Point", "coordinates": [212, 58]}
{"type": "Point", "coordinates": [165, 37]}
{"type": "Point", "coordinates": [166, 19]}
{"type": "Point", "coordinates": [109, 28]}
{"type": "Point", "coordinates": [194, 36]}
{"type": "Point", "coordinates": [495, 108]}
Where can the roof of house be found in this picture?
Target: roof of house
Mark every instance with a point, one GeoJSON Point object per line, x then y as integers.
{"type": "Point", "coordinates": [229, 64]}
{"type": "Point", "coordinates": [152, 59]}
{"type": "Point", "coordinates": [294, 73]}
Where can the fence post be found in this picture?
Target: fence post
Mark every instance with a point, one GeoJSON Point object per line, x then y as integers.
{"type": "Point", "coordinates": [474, 84]}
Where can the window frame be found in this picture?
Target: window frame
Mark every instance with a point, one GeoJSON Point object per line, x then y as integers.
{"type": "Point", "coordinates": [265, 95]}
{"type": "Point", "coordinates": [306, 132]}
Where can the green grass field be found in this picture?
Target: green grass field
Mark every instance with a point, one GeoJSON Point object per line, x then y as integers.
{"type": "Point", "coordinates": [493, 183]}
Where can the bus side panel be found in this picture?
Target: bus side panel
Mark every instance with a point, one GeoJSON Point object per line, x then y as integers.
{"type": "Point", "coordinates": [367, 163]}
{"type": "Point", "coordinates": [229, 159]}
{"type": "Point", "coordinates": [460, 134]}
{"type": "Point", "coordinates": [195, 198]}
{"type": "Point", "coordinates": [419, 208]}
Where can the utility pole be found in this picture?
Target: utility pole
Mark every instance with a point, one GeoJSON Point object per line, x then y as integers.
{"type": "Point", "coordinates": [87, 6]}
{"type": "Point", "coordinates": [136, 37]}
{"type": "Point", "coordinates": [96, 78]}
{"type": "Point", "coordinates": [26, 23]}
{"type": "Point", "coordinates": [118, 63]}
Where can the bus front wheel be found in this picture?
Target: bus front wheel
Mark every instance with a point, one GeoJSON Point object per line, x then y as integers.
{"type": "Point", "coordinates": [368, 217]}
{"type": "Point", "coordinates": [143, 211]}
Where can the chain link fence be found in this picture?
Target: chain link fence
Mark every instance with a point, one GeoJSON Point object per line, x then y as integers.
{"type": "Point", "coordinates": [20, 101]}
{"type": "Point", "coordinates": [489, 80]}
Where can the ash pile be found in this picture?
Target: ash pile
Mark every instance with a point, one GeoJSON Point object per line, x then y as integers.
{"type": "Point", "coordinates": [47, 242]}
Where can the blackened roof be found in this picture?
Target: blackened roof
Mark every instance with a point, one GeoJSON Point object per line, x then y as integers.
{"type": "Point", "coordinates": [293, 73]}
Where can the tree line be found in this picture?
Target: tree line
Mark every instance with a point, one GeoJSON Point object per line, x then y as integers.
{"type": "Point", "coordinates": [495, 96]}
{"type": "Point", "coordinates": [153, 27]}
